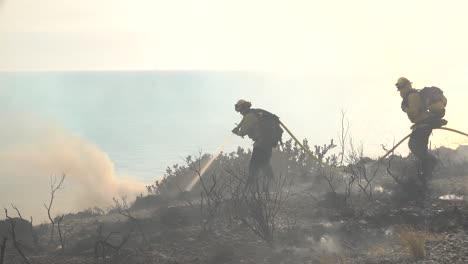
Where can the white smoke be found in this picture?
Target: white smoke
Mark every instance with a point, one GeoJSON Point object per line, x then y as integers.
{"type": "Point", "coordinates": [32, 150]}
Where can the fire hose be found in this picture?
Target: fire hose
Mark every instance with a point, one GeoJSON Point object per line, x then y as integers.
{"type": "Point", "coordinates": [311, 155]}
{"type": "Point", "coordinates": [405, 138]}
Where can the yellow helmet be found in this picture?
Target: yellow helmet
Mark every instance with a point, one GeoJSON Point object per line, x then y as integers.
{"type": "Point", "coordinates": [241, 105]}
{"type": "Point", "coordinates": [402, 82]}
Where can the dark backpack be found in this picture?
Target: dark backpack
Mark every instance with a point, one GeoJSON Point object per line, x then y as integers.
{"type": "Point", "coordinates": [429, 96]}
{"type": "Point", "coordinates": [269, 129]}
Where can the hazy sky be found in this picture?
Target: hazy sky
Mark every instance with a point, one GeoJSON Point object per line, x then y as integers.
{"type": "Point", "coordinates": [377, 41]}
{"type": "Point", "coordinates": [417, 38]}
{"type": "Point", "coordinates": [372, 43]}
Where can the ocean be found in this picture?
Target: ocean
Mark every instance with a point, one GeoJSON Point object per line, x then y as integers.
{"type": "Point", "coordinates": [144, 121]}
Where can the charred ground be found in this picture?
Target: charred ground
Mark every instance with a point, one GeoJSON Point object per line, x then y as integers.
{"type": "Point", "coordinates": [347, 209]}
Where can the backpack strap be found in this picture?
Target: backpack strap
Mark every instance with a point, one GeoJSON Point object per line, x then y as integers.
{"type": "Point", "coordinates": [264, 114]}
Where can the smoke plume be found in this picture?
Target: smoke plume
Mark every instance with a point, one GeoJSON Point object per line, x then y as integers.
{"type": "Point", "coordinates": [33, 150]}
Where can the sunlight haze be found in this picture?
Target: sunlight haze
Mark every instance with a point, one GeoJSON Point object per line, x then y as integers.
{"type": "Point", "coordinates": [140, 84]}
{"type": "Point", "coordinates": [416, 38]}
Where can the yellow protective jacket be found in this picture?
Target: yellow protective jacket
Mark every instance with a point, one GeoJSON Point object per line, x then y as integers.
{"type": "Point", "coordinates": [414, 106]}
{"type": "Point", "coordinates": [262, 127]}
{"type": "Point", "coordinates": [249, 126]}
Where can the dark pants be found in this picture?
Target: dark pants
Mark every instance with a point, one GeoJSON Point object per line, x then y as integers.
{"type": "Point", "coordinates": [418, 145]}
{"type": "Point", "coordinates": [260, 161]}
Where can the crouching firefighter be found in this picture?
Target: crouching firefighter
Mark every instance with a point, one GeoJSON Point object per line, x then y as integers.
{"type": "Point", "coordinates": [264, 129]}
{"type": "Point", "coordinates": [425, 109]}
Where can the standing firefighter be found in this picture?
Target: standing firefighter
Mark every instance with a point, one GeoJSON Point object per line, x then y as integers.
{"type": "Point", "coordinates": [264, 129]}
{"type": "Point", "coordinates": [425, 108]}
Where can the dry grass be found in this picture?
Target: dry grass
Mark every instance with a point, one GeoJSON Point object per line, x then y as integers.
{"type": "Point", "coordinates": [378, 251]}
{"type": "Point", "coordinates": [413, 241]}
{"type": "Point", "coordinates": [331, 258]}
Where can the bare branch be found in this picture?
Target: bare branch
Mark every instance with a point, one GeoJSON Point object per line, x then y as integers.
{"type": "Point", "coordinates": [16, 244]}
{"type": "Point", "coordinates": [61, 236]}
{"type": "Point", "coordinates": [343, 135]}
{"type": "Point", "coordinates": [55, 185]}
{"type": "Point", "coordinates": [102, 245]}
{"type": "Point", "coordinates": [17, 211]}
{"type": "Point", "coordinates": [395, 178]}
{"type": "Point", "coordinates": [358, 171]}
{"type": "Point", "coordinates": [264, 205]}
{"type": "Point", "coordinates": [124, 210]}
{"type": "Point", "coordinates": [213, 192]}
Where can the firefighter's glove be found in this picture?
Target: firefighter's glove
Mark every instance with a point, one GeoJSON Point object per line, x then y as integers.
{"type": "Point", "coordinates": [235, 130]}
